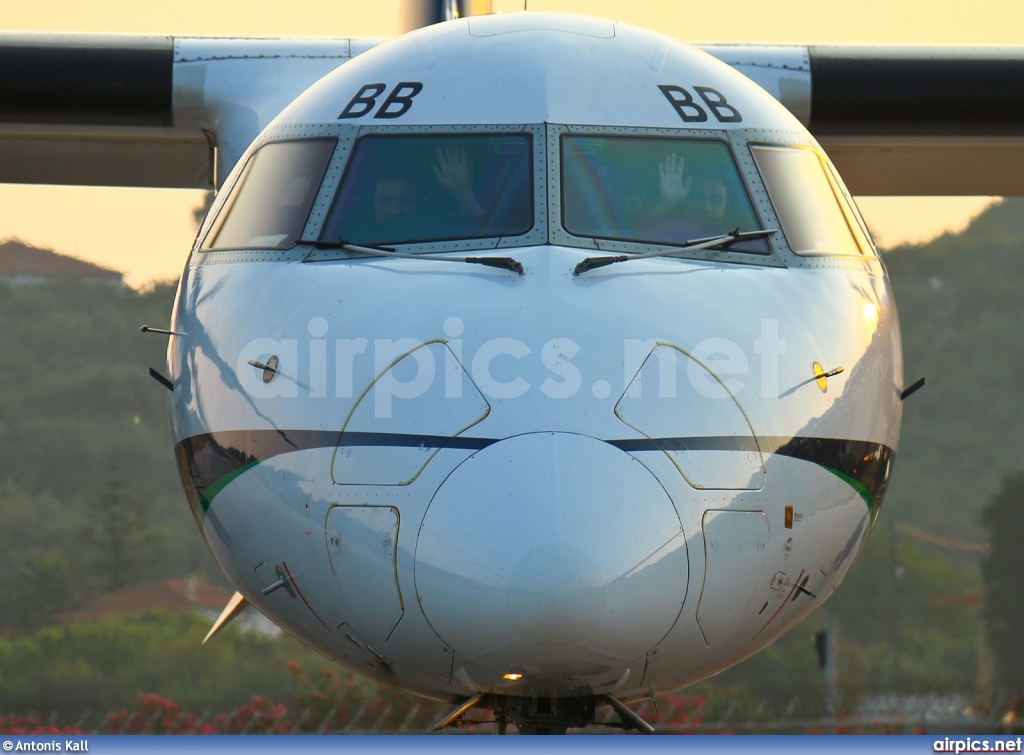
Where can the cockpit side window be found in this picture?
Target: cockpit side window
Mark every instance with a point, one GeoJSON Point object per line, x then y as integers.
{"type": "Point", "coordinates": [271, 200]}
{"type": "Point", "coordinates": [814, 215]}
{"type": "Point", "coordinates": [654, 190]}
{"type": "Point", "coordinates": [418, 188]}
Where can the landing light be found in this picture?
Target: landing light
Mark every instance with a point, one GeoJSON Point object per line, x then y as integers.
{"type": "Point", "coordinates": [513, 677]}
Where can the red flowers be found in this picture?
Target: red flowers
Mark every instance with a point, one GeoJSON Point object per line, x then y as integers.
{"type": "Point", "coordinates": [31, 725]}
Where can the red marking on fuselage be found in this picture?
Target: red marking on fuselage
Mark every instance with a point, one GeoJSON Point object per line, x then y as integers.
{"type": "Point", "coordinates": [299, 593]}
{"type": "Point", "coordinates": [796, 584]}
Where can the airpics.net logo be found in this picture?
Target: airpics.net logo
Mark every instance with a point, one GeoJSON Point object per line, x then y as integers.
{"type": "Point", "coordinates": [977, 744]}
{"type": "Point", "coordinates": [402, 369]}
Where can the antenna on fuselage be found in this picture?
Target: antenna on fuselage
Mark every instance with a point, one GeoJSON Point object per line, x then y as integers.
{"type": "Point", "coordinates": [904, 394]}
{"type": "Point", "coordinates": [415, 14]}
{"type": "Point", "coordinates": [161, 331]}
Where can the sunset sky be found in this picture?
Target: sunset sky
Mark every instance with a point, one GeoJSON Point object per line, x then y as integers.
{"type": "Point", "coordinates": [147, 232]}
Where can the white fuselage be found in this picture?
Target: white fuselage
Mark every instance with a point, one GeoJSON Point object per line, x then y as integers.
{"type": "Point", "coordinates": [616, 482]}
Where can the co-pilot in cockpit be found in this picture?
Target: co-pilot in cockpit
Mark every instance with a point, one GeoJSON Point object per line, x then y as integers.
{"type": "Point", "coordinates": [653, 190]}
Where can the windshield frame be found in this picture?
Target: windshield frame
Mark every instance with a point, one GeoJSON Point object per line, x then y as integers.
{"type": "Point", "coordinates": [534, 235]}
{"type": "Point", "coordinates": [748, 179]}
{"type": "Point", "coordinates": [547, 195]}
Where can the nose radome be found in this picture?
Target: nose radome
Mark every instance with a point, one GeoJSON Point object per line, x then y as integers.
{"type": "Point", "coordinates": [550, 550]}
{"type": "Point", "coordinates": [555, 594]}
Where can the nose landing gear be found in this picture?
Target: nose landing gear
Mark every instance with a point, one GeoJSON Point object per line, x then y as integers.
{"type": "Point", "coordinates": [545, 715]}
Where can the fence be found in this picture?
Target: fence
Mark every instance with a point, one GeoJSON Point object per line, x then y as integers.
{"type": "Point", "coordinates": [874, 713]}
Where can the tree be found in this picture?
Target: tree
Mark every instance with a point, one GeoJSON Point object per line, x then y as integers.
{"type": "Point", "coordinates": [42, 588]}
{"type": "Point", "coordinates": [1003, 574]}
{"type": "Point", "coordinates": [116, 527]}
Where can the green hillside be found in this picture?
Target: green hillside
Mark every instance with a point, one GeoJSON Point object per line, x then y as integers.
{"type": "Point", "coordinates": [84, 428]}
{"type": "Point", "coordinates": [960, 304]}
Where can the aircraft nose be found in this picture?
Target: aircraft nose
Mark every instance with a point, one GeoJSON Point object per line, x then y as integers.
{"type": "Point", "coordinates": [550, 552]}
{"type": "Point", "coordinates": [555, 594]}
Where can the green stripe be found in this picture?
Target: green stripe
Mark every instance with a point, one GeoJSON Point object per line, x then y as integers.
{"type": "Point", "coordinates": [863, 491]}
{"type": "Point", "coordinates": [211, 492]}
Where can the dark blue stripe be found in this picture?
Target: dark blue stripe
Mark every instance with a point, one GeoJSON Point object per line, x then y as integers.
{"type": "Point", "coordinates": [203, 459]}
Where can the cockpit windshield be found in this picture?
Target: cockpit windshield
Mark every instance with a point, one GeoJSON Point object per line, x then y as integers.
{"type": "Point", "coordinates": [811, 207]}
{"type": "Point", "coordinates": [269, 204]}
{"type": "Point", "coordinates": [404, 189]}
{"type": "Point", "coordinates": [654, 190]}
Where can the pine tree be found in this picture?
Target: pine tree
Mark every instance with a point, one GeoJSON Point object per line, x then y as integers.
{"type": "Point", "coordinates": [116, 528]}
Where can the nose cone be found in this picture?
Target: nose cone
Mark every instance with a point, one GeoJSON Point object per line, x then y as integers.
{"type": "Point", "coordinates": [555, 594]}
{"type": "Point", "coordinates": [552, 553]}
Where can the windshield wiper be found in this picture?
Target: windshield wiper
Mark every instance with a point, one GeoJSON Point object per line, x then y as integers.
{"type": "Point", "coordinates": [714, 242]}
{"type": "Point", "coordinates": [504, 263]}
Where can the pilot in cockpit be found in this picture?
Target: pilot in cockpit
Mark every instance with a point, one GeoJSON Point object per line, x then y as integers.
{"type": "Point", "coordinates": [455, 173]}
{"type": "Point", "coordinates": [422, 188]}
{"type": "Point", "coordinates": [698, 199]}
{"type": "Point", "coordinates": [397, 197]}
